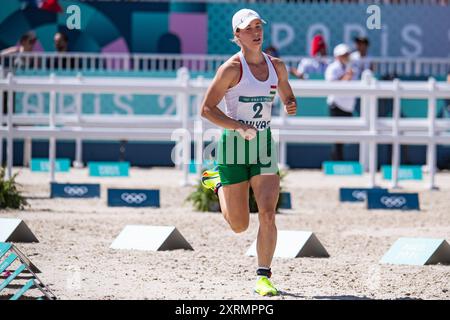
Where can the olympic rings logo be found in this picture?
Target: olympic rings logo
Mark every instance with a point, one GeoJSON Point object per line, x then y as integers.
{"type": "Point", "coordinates": [359, 195]}
{"type": "Point", "coordinates": [136, 198]}
{"type": "Point", "coordinates": [393, 201]}
{"type": "Point", "coordinates": [75, 191]}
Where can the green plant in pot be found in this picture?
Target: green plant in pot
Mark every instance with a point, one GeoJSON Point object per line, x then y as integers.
{"type": "Point", "coordinates": [10, 196]}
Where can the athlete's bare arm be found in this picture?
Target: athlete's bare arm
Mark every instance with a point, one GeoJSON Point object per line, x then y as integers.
{"type": "Point", "coordinates": [284, 88]}
{"type": "Point", "coordinates": [226, 77]}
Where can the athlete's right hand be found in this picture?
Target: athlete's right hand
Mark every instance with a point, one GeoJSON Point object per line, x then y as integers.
{"type": "Point", "coordinates": [246, 131]}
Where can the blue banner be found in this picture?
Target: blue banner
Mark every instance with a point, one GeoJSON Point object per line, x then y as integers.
{"type": "Point", "coordinates": [43, 165]}
{"type": "Point", "coordinates": [357, 194]}
{"type": "Point", "coordinates": [405, 172]}
{"type": "Point", "coordinates": [342, 168]}
{"type": "Point", "coordinates": [285, 200]}
{"type": "Point", "coordinates": [133, 198]}
{"type": "Point", "coordinates": [71, 190]}
{"type": "Point", "coordinates": [109, 169]}
{"type": "Point", "coordinates": [405, 31]}
{"type": "Point", "coordinates": [393, 201]}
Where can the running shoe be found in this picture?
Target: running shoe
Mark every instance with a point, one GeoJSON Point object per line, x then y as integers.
{"type": "Point", "coordinates": [210, 178]}
{"type": "Point", "coordinates": [264, 287]}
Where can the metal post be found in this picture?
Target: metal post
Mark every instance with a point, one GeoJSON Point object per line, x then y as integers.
{"type": "Point", "coordinates": [366, 78]}
{"type": "Point", "coordinates": [198, 131]}
{"type": "Point", "coordinates": [183, 97]}
{"type": "Point", "coordinates": [52, 123]}
{"type": "Point", "coordinates": [78, 163]}
{"type": "Point", "coordinates": [373, 154]}
{"type": "Point", "coordinates": [9, 139]}
{"type": "Point", "coordinates": [27, 146]}
{"type": "Point", "coordinates": [198, 141]}
{"type": "Point", "coordinates": [431, 148]}
{"type": "Point", "coordinates": [395, 134]}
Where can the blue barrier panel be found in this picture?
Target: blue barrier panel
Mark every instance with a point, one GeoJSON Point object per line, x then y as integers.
{"type": "Point", "coordinates": [133, 198]}
{"type": "Point", "coordinates": [109, 169]}
{"type": "Point", "coordinates": [285, 200]}
{"type": "Point", "coordinates": [43, 165]}
{"type": "Point", "coordinates": [406, 172]}
{"type": "Point", "coordinates": [74, 190]}
{"type": "Point", "coordinates": [342, 168]}
{"type": "Point", "coordinates": [393, 201]}
{"type": "Point", "coordinates": [357, 194]}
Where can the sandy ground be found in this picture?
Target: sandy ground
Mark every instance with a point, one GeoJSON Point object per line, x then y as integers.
{"type": "Point", "coordinates": [77, 263]}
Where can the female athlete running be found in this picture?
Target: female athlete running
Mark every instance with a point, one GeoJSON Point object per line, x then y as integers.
{"type": "Point", "coordinates": [246, 154]}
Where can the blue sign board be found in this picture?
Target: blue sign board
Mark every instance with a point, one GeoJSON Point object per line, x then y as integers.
{"type": "Point", "coordinates": [342, 168]}
{"type": "Point", "coordinates": [406, 172]}
{"type": "Point", "coordinates": [133, 198]}
{"type": "Point", "coordinates": [357, 194]}
{"type": "Point", "coordinates": [109, 169]}
{"type": "Point", "coordinates": [393, 201]}
{"type": "Point", "coordinates": [285, 200]}
{"type": "Point", "coordinates": [71, 190]}
{"type": "Point", "coordinates": [43, 165]}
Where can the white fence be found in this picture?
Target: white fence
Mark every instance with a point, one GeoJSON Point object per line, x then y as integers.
{"type": "Point", "coordinates": [48, 61]}
{"type": "Point", "coordinates": [368, 130]}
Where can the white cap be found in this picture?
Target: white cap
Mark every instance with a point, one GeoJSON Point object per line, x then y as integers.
{"type": "Point", "coordinates": [243, 17]}
{"type": "Point", "coordinates": [341, 49]}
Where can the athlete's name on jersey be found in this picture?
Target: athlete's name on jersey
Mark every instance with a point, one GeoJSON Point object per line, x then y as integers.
{"type": "Point", "coordinates": [260, 125]}
{"type": "Point", "coordinates": [256, 99]}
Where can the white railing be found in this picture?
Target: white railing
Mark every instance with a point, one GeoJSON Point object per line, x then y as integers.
{"type": "Point", "coordinates": [83, 62]}
{"type": "Point", "coordinates": [368, 130]}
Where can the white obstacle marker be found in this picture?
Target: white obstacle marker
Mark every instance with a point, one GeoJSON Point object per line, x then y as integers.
{"type": "Point", "coordinates": [418, 252]}
{"type": "Point", "coordinates": [295, 244]}
{"type": "Point", "coordinates": [150, 238]}
{"type": "Point", "coordinates": [15, 230]}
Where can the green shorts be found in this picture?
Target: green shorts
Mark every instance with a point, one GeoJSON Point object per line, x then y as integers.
{"type": "Point", "coordinates": [238, 159]}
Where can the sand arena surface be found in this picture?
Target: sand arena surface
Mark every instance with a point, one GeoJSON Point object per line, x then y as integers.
{"type": "Point", "coordinates": [77, 263]}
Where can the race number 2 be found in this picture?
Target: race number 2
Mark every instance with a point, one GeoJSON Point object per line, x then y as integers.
{"type": "Point", "coordinates": [257, 108]}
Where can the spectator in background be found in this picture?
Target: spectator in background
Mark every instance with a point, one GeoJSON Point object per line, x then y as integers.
{"type": "Point", "coordinates": [317, 64]}
{"type": "Point", "coordinates": [61, 42]}
{"type": "Point", "coordinates": [26, 44]}
{"type": "Point", "coordinates": [340, 106]}
{"type": "Point", "coordinates": [272, 51]}
{"type": "Point", "coordinates": [359, 58]}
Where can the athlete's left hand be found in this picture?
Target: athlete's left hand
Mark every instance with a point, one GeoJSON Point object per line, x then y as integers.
{"type": "Point", "coordinates": [291, 108]}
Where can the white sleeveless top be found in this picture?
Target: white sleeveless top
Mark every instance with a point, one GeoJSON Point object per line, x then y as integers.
{"type": "Point", "coordinates": [250, 101]}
